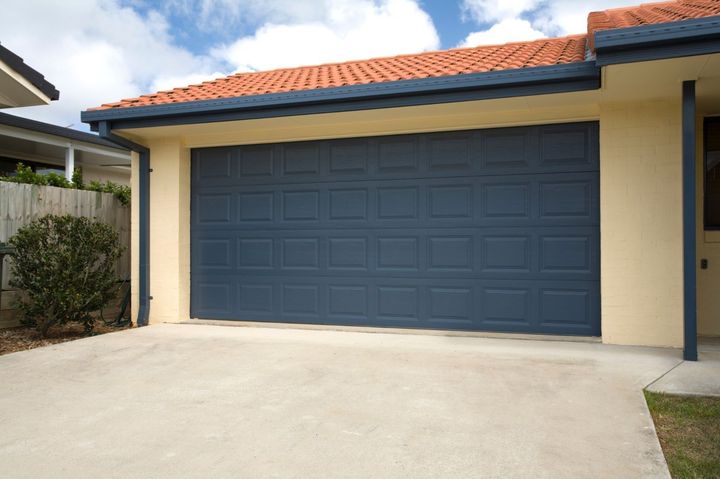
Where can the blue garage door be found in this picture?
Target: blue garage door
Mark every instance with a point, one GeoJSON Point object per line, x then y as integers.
{"type": "Point", "coordinates": [489, 230]}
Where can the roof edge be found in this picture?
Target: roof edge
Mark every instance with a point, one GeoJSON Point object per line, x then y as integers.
{"type": "Point", "coordinates": [30, 74]}
{"type": "Point", "coordinates": [55, 130]}
{"type": "Point", "coordinates": [695, 36]}
{"type": "Point", "coordinates": [495, 81]}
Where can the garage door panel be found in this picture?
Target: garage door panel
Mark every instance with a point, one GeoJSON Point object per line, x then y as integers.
{"type": "Point", "coordinates": [519, 200]}
{"type": "Point", "coordinates": [492, 230]}
{"type": "Point", "coordinates": [560, 307]}
{"type": "Point", "coordinates": [526, 150]}
{"type": "Point", "coordinates": [543, 253]}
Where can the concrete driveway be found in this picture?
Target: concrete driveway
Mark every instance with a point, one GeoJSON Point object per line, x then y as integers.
{"type": "Point", "coordinates": [180, 401]}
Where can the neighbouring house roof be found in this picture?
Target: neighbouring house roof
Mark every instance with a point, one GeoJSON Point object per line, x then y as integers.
{"type": "Point", "coordinates": [47, 128]}
{"type": "Point", "coordinates": [447, 65]}
{"type": "Point", "coordinates": [30, 74]}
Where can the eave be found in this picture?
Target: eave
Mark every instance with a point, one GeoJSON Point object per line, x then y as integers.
{"type": "Point", "coordinates": [478, 86]}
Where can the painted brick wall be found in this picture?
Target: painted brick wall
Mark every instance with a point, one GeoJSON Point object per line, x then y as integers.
{"type": "Point", "coordinates": [641, 223]}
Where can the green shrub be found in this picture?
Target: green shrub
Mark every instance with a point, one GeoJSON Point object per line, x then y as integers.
{"type": "Point", "coordinates": [53, 179]}
{"type": "Point", "coordinates": [66, 267]}
{"type": "Point", "coordinates": [25, 174]}
{"type": "Point", "coordinates": [121, 192]}
{"type": "Point", "coordinates": [77, 179]}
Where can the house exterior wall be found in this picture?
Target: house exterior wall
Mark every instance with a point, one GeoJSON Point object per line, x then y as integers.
{"type": "Point", "coordinates": [134, 236]}
{"type": "Point", "coordinates": [641, 229]}
{"type": "Point", "coordinates": [641, 223]}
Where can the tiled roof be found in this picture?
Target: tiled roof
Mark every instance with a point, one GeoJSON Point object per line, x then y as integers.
{"type": "Point", "coordinates": [548, 51]}
{"type": "Point", "coordinates": [651, 13]}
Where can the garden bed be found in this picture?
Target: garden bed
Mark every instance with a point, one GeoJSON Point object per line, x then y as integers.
{"type": "Point", "coordinates": [23, 338]}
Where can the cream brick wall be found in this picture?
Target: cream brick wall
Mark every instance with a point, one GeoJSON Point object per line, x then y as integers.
{"type": "Point", "coordinates": [641, 223]}
{"type": "Point", "coordinates": [169, 231]}
{"type": "Point", "coordinates": [134, 236]}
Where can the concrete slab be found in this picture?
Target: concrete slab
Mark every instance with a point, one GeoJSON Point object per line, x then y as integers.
{"type": "Point", "coordinates": [692, 378]}
{"type": "Point", "coordinates": [186, 401]}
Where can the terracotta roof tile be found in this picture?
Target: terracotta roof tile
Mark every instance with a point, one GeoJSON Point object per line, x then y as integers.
{"type": "Point", "coordinates": [459, 61]}
{"type": "Point", "coordinates": [650, 13]}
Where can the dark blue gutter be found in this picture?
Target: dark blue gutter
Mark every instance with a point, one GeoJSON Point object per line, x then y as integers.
{"type": "Point", "coordinates": [689, 221]}
{"type": "Point", "coordinates": [453, 88]}
{"type": "Point", "coordinates": [143, 198]}
{"type": "Point", "coordinates": [699, 36]}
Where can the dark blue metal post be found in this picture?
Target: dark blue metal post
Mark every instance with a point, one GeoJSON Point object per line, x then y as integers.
{"type": "Point", "coordinates": [689, 219]}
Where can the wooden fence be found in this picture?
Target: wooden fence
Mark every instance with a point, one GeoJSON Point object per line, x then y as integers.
{"type": "Point", "coordinates": [21, 204]}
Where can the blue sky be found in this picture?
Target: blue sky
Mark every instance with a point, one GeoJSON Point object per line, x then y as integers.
{"type": "Point", "coordinates": [98, 51]}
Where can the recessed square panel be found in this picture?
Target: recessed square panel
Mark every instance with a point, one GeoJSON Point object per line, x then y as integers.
{"type": "Point", "coordinates": [300, 205]}
{"type": "Point", "coordinates": [451, 253]}
{"type": "Point", "coordinates": [397, 302]}
{"type": "Point", "coordinates": [213, 297]}
{"type": "Point", "coordinates": [506, 305]}
{"type": "Point", "coordinates": [300, 299]}
{"type": "Point", "coordinates": [255, 253]}
{"type": "Point", "coordinates": [348, 204]}
{"type": "Point", "coordinates": [397, 253]}
{"type": "Point", "coordinates": [347, 301]}
{"type": "Point", "coordinates": [451, 304]}
{"type": "Point", "coordinates": [507, 200]}
{"type": "Point", "coordinates": [398, 203]}
{"type": "Point", "coordinates": [213, 163]}
{"type": "Point", "coordinates": [559, 146]}
{"type": "Point", "coordinates": [214, 253]}
{"type": "Point", "coordinates": [255, 298]}
{"type": "Point", "coordinates": [397, 154]}
{"type": "Point", "coordinates": [565, 253]}
{"type": "Point", "coordinates": [560, 307]}
{"type": "Point", "coordinates": [449, 152]}
{"type": "Point", "coordinates": [255, 206]}
{"type": "Point", "coordinates": [450, 201]}
{"type": "Point", "coordinates": [213, 208]}
{"type": "Point", "coordinates": [563, 199]}
{"type": "Point", "coordinates": [301, 159]}
{"type": "Point", "coordinates": [300, 253]}
{"type": "Point", "coordinates": [347, 253]}
{"type": "Point", "coordinates": [348, 156]}
{"type": "Point", "coordinates": [256, 161]}
{"type": "Point", "coordinates": [504, 150]}
{"type": "Point", "coordinates": [506, 253]}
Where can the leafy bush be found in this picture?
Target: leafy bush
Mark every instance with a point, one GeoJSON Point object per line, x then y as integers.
{"type": "Point", "coordinates": [25, 174]}
{"type": "Point", "coordinates": [77, 179]}
{"type": "Point", "coordinates": [66, 267]}
{"type": "Point", "coordinates": [121, 192]}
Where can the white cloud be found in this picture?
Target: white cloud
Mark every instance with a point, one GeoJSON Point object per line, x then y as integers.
{"type": "Point", "coordinates": [93, 52]}
{"type": "Point", "coordinates": [211, 15]}
{"type": "Point", "coordinates": [486, 11]}
{"type": "Point", "coordinates": [349, 30]}
{"type": "Point", "coordinates": [522, 19]}
{"type": "Point", "coordinates": [97, 51]}
{"type": "Point", "coordinates": [507, 30]}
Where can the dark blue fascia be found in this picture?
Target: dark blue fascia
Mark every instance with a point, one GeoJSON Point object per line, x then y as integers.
{"type": "Point", "coordinates": [689, 221]}
{"type": "Point", "coordinates": [143, 198]}
{"type": "Point", "coordinates": [455, 88]}
{"type": "Point", "coordinates": [698, 36]}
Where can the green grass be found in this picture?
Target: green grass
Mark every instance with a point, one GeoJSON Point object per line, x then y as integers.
{"type": "Point", "coordinates": [689, 432]}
